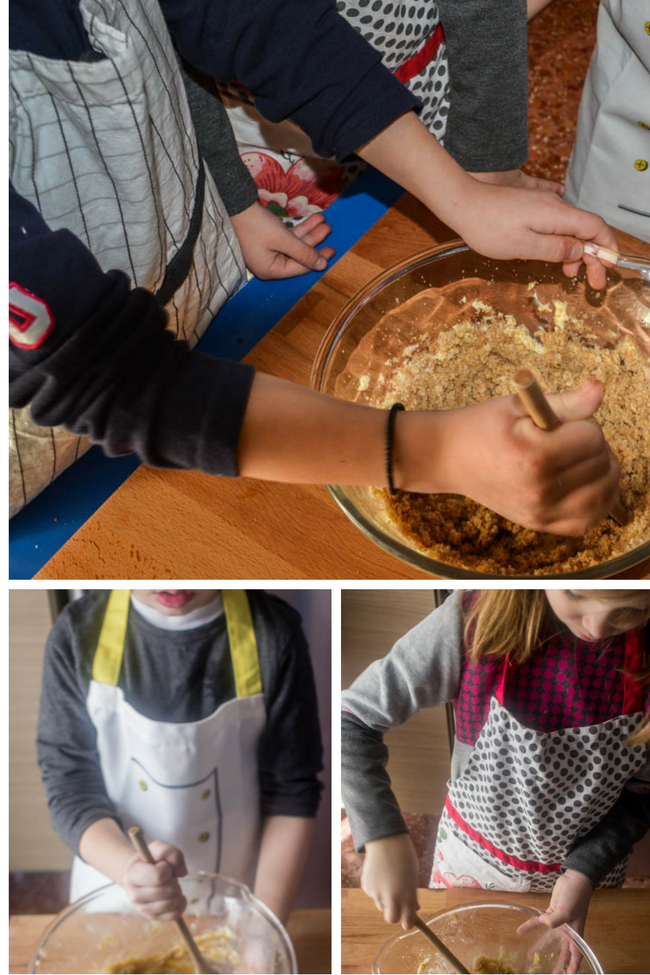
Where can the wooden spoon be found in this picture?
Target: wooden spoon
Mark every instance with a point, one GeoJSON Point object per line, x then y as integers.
{"type": "Point", "coordinates": [539, 410]}
{"type": "Point", "coordinates": [439, 945]}
{"type": "Point", "coordinates": [201, 966]}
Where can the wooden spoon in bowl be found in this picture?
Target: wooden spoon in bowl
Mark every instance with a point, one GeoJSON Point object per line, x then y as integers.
{"type": "Point", "coordinates": [201, 966]}
{"type": "Point", "coordinates": [439, 945]}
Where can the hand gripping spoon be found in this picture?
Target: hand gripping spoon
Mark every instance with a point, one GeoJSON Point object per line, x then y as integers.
{"type": "Point", "coordinates": [539, 410]}
{"type": "Point", "coordinates": [439, 945]}
{"type": "Point", "coordinates": [631, 261]}
{"type": "Point", "coordinates": [201, 966]}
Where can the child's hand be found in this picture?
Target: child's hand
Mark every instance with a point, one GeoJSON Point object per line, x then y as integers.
{"type": "Point", "coordinates": [389, 876]}
{"type": "Point", "coordinates": [271, 250]}
{"type": "Point", "coordinates": [518, 178]}
{"type": "Point", "coordinates": [569, 905]}
{"type": "Point", "coordinates": [507, 222]}
{"type": "Point", "coordinates": [153, 888]}
{"type": "Point", "coordinates": [562, 481]}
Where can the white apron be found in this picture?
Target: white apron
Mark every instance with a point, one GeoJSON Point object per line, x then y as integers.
{"type": "Point", "coordinates": [525, 797]}
{"type": "Point", "coordinates": [107, 149]}
{"type": "Point", "coordinates": [195, 784]}
{"type": "Point", "coordinates": [609, 170]}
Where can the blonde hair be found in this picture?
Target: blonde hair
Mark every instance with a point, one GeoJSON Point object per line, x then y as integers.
{"type": "Point", "coordinates": [519, 621]}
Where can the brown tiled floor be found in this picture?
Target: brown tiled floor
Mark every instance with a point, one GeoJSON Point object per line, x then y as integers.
{"type": "Point", "coordinates": [560, 43]}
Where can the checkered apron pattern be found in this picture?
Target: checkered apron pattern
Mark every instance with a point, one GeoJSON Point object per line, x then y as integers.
{"type": "Point", "coordinates": [106, 148]}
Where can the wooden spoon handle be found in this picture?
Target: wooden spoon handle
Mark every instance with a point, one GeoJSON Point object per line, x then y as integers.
{"type": "Point", "coordinates": [200, 965]}
{"type": "Point", "coordinates": [439, 945]}
{"type": "Point", "coordinates": [534, 401]}
{"type": "Point", "coordinates": [539, 409]}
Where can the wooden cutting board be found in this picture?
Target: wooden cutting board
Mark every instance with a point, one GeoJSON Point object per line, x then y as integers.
{"type": "Point", "coordinates": [617, 930]}
{"type": "Point", "coordinates": [309, 931]}
{"type": "Point", "coordinates": [186, 525]}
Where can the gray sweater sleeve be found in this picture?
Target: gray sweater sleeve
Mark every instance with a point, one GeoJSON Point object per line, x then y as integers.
{"type": "Point", "coordinates": [487, 128]}
{"type": "Point", "coordinates": [216, 141]}
{"type": "Point", "coordinates": [67, 742]}
{"type": "Point", "coordinates": [626, 823]}
{"type": "Point", "coordinates": [422, 670]}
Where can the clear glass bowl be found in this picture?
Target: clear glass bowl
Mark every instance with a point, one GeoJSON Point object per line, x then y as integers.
{"type": "Point", "coordinates": [103, 928]}
{"type": "Point", "coordinates": [488, 929]}
{"type": "Point", "coordinates": [430, 287]}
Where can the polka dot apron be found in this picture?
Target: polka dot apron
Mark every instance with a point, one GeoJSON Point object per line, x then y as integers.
{"type": "Point", "coordinates": [411, 41]}
{"type": "Point", "coordinates": [525, 797]}
{"type": "Point", "coordinates": [292, 180]}
{"type": "Point", "coordinates": [194, 784]}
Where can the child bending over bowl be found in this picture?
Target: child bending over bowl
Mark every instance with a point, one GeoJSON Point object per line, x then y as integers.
{"type": "Point", "coordinates": [131, 224]}
{"type": "Point", "coordinates": [550, 773]}
{"type": "Point", "coordinates": [189, 713]}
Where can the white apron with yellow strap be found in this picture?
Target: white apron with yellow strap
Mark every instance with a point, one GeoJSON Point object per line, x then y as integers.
{"type": "Point", "coordinates": [609, 170]}
{"type": "Point", "coordinates": [524, 798]}
{"type": "Point", "coordinates": [195, 784]}
{"type": "Point", "coordinates": [106, 149]}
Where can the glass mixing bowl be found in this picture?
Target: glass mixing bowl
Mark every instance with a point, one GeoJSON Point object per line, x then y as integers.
{"type": "Point", "coordinates": [488, 929]}
{"type": "Point", "coordinates": [436, 286]}
{"type": "Point", "coordinates": [103, 928]}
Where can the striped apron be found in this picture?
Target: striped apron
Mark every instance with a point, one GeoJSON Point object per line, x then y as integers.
{"type": "Point", "coordinates": [106, 149]}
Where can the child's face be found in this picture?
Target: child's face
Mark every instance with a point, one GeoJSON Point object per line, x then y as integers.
{"type": "Point", "coordinates": [175, 602]}
{"type": "Point", "coordinates": [596, 619]}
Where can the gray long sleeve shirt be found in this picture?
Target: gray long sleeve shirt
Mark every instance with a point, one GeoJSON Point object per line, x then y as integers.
{"type": "Point", "coordinates": [176, 676]}
{"type": "Point", "coordinates": [425, 668]}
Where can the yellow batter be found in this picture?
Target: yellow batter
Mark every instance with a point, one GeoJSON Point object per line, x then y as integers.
{"type": "Point", "coordinates": [482, 966]}
{"type": "Point", "coordinates": [216, 947]}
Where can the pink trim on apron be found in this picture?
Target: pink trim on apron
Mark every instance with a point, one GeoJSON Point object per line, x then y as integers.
{"type": "Point", "coordinates": [529, 865]}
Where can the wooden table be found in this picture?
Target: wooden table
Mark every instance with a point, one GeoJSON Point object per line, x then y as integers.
{"type": "Point", "coordinates": [186, 525]}
{"type": "Point", "coordinates": [618, 926]}
{"type": "Point", "coordinates": [308, 930]}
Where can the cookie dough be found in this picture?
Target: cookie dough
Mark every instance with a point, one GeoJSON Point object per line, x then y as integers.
{"type": "Point", "coordinates": [216, 948]}
{"type": "Point", "coordinates": [474, 360]}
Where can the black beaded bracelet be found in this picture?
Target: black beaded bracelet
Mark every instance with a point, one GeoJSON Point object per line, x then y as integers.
{"type": "Point", "coordinates": [390, 436]}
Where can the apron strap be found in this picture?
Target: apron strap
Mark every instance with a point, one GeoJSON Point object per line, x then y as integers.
{"type": "Point", "coordinates": [500, 691]}
{"type": "Point", "coordinates": [110, 646]}
{"type": "Point", "coordinates": [181, 263]}
{"type": "Point", "coordinates": [243, 643]}
{"type": "Point", "coordinates": [241, 635]}
{"type": "Point", "coordinates": [634, 689]}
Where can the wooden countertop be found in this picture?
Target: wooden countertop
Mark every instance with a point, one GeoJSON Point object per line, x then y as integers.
{"type": "Point", "coordinates": [618, 926]}
{"type": "Point", "coordinates": [309, 931]}
{"type": "Point", "coordinates": [186, 525]}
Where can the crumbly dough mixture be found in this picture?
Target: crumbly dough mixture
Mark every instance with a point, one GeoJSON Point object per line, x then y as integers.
{"type": "Point", "coordinates": [475, 360]}
{"type": "Point", "coordinates": [483, 965]}
{"type": "Point", "coordinates": [216, 948]}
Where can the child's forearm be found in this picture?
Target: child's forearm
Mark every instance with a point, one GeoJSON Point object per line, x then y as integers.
{"type": "Point", "coordinates": [104, 846]}
{"type": "Point", "coordinates": [499, 221]}
{"type": "Point", "coordinates": [408, 153]}
{"type": "Point", "coordinates": [296, 435]}
{"type": "Point", "coordinates": [283, 853]}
